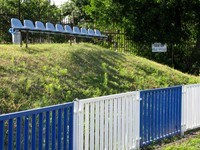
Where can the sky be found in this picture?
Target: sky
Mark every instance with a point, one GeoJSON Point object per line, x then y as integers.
{"type": "Point", "coordinates": [58, 2]}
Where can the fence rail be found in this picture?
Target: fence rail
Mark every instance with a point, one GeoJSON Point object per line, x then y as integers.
{"type": "Point", "coordinates": [109, 122]}
{"type": "Point", "coordinates": [160, 114]}
{"type": "Point", "coordinates": [190, 107]}
{"type": "Point", "coordinates": [115, 122]}
{"type": "Point", "coordinates": [43, 128]}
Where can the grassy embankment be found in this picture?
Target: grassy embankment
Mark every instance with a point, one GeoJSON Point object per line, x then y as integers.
{"type": "Point", "coordinates": [190, 144]}
{"type": "Point", "coordinates": [56, 73]}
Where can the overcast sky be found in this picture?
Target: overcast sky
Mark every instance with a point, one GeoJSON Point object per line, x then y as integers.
{"type": "Point", "coordinates": [58, 2]}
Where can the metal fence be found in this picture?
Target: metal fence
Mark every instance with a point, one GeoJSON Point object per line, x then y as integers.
{"type": "Point", "coordinates": [44, 128]}
{"type": "Point", "coordinates": [190, 107]}
{"type": "Point", "coordinates": [108, 122]}
{"type": "Point", "coordinates": [115, 122]}
{"type": "Point", "coordinates": [160, 114]}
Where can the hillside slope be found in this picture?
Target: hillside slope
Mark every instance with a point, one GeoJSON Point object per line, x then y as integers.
{"type": "Point", "coordinates": [56, 73]}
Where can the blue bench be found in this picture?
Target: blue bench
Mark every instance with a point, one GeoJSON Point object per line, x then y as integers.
{"type": "Point", "coordinates": [51, 29]}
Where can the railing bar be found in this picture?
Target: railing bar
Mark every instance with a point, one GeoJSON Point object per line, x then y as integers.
{"type": "Point", "coordinates": [119, 123]}
{"type": "Point", "coordinates": [53, 130]}
{"type": "Point", "coordinates": [26, 130]}
{"type": "Point", "coordinates": [145, 118]}
{"type": "Point", "coordinates": [159, 114]}
{"type": "Point", "coordinates": [97, 127]}
{"type": "Point", "coordinates": [115, 125]}
{"type": "Point", "coordinates": [149, 117]}
{"type": "Point", "coordinates": [86, 126]}
{"type": "Point", "coordinates": [34, 111]}
{"type": "Point", "coordinates": [18, 134]}
{"type": "Point", "coordinates": [33, 144]}
{"type": "Point", "coordinates": [40, 132]}
{"type": "Point", "coordinates": [106, 125]}
{"type": "Point", "coordinates": [101, 125]}
{"type": "Point", "coordinates": [47, 131]}
{"type": "Point", "coordinates": [2, 135]}
{"type": "Point", "coordinates": [65, 147]}
{"type": "Point", "coordinates": [92, 126]}
{"type": "Point", "coordinates": [10, 134]}
{"type": "Point", "coordinates": [111, 125]}
{"type": "Point", "coordinates": [59, 128]}
{"type": "Point", "coordinates": [71, 127]}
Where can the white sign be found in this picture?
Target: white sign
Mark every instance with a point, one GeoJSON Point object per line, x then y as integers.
{"type": "Point", "coordinates": [159, 47]}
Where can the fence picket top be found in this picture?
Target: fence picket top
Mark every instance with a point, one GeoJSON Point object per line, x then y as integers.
{"type": "Point", "coordinates": [34, 111]}
{"type": "Point", "coordinates": [107, 97]}
{"type": "Point", "coordinates": [160, 89]}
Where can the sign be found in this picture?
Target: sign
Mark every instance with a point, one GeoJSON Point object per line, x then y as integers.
{"type": "Point", "coordinates": [159, 47]}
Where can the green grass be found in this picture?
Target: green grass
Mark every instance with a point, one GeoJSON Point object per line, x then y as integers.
{"type": "Point", "coordinates": [191, 144]}
{"type": "Point", "coordinates": [49, 74]}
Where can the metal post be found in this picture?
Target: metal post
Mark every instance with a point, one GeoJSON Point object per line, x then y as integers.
{"type": "Point", "coordinates": [19, 9]}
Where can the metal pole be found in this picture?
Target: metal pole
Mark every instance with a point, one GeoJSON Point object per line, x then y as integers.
{"type": "Point", "coordinates": [19, 9]}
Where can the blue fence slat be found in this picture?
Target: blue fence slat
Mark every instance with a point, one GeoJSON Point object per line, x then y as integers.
{"type": "Point", "coordinates": [40, 132]}
{"type": "Point", "coordinates": [33, 142]}
{"type": "Point", "coordinates": [2, 134]}
{"type": "Point", "coordinates": [160, 113]}
{"type": "Point", "coordinates": [26, 130]}
{"type": "Point", "coordinates": [65, 141]}
{"type": "Point", "coordinates": [145, 115]}
{"type": "Point", "coordinates": [10, 134]}
{"type": "Point", "coordinates": [59, 128]}
{"type": "Point", "coordinates": [47, 131]}
{"type": "Point", "coordinates": [179, 110]}
{"type": "Point", "coordinates": [53, 130]}
{"type": "Point", "coordinates": [18, 134]}
{"type": "Point", "coordinates": [71, 127]}
{"type": "Point", "coordinates": [149, 118]}
{"type": "Point", "coordinates": [154, 116]}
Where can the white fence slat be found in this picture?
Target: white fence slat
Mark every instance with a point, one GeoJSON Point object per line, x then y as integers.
{"type": "Point", "coordinates": [127, 123]}
{"type": "Point", "coordinates": [106, 125]}
{"type": "Point", "coordinates": [123, 122]}
{"type": "Point", "coordinates": [81, 124]}
{"type": "Point", "coordinates": [97, 127]}
{"type": "Point", "coordinates": [75, 126]}
{"type": "Point", "coordinates": [119, 125]}
{"type": "Point", "coordinates": [190, 107]}
{"type": "Point", "coordinates": [130, 121]}
{"type": "Point", "coordinates": [92, 126]}
{"type": "Point", "coordinates": [115, 125]}
{"type": "Point", "coordinates": [86, 126]}
{"type": "Point", "coordinates": [102, 125]}
{"type": "Point", "coordinates": [111, 125]}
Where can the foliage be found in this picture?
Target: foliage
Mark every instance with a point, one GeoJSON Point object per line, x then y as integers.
{"type": "Point", "coordinates": [47, 74]}
{"type": "Point", "coordinates": [174, 22]}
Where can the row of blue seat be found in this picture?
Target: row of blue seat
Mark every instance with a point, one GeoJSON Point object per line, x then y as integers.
{"type": "Point", "coordinates": [39, 26]}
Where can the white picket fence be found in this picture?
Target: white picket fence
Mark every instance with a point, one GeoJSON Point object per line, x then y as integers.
{"type": "Point", "coordinates": [108, 122]}
{"type": "Point", "coordinates": [190, 107]}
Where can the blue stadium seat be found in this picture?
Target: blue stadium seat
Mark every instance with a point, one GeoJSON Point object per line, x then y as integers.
{"type": "Point", "coordinates": [60, 28]}
{"type": "Point", "coordinates": [91, 33]}
{"type": "Point", "coordinates": [98, 33]}
{"type": "Point", "coordinates": [16, 24]}
{"type": "Point", "coordinates": [29, 24]}
{"type": "Point", "coordinates": [40, 26]}
{"type": "Point", "coordinates": [50, 27]}
{"type": "Point", "coordinates": [84, 31]}
{"type": "Point", "coordinates": [69, 30]}
{"type": "Point", "coordinates": [77, 31]}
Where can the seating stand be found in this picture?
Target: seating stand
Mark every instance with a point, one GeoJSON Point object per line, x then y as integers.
{"type": "Point", "coordinates": [51, 29]}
